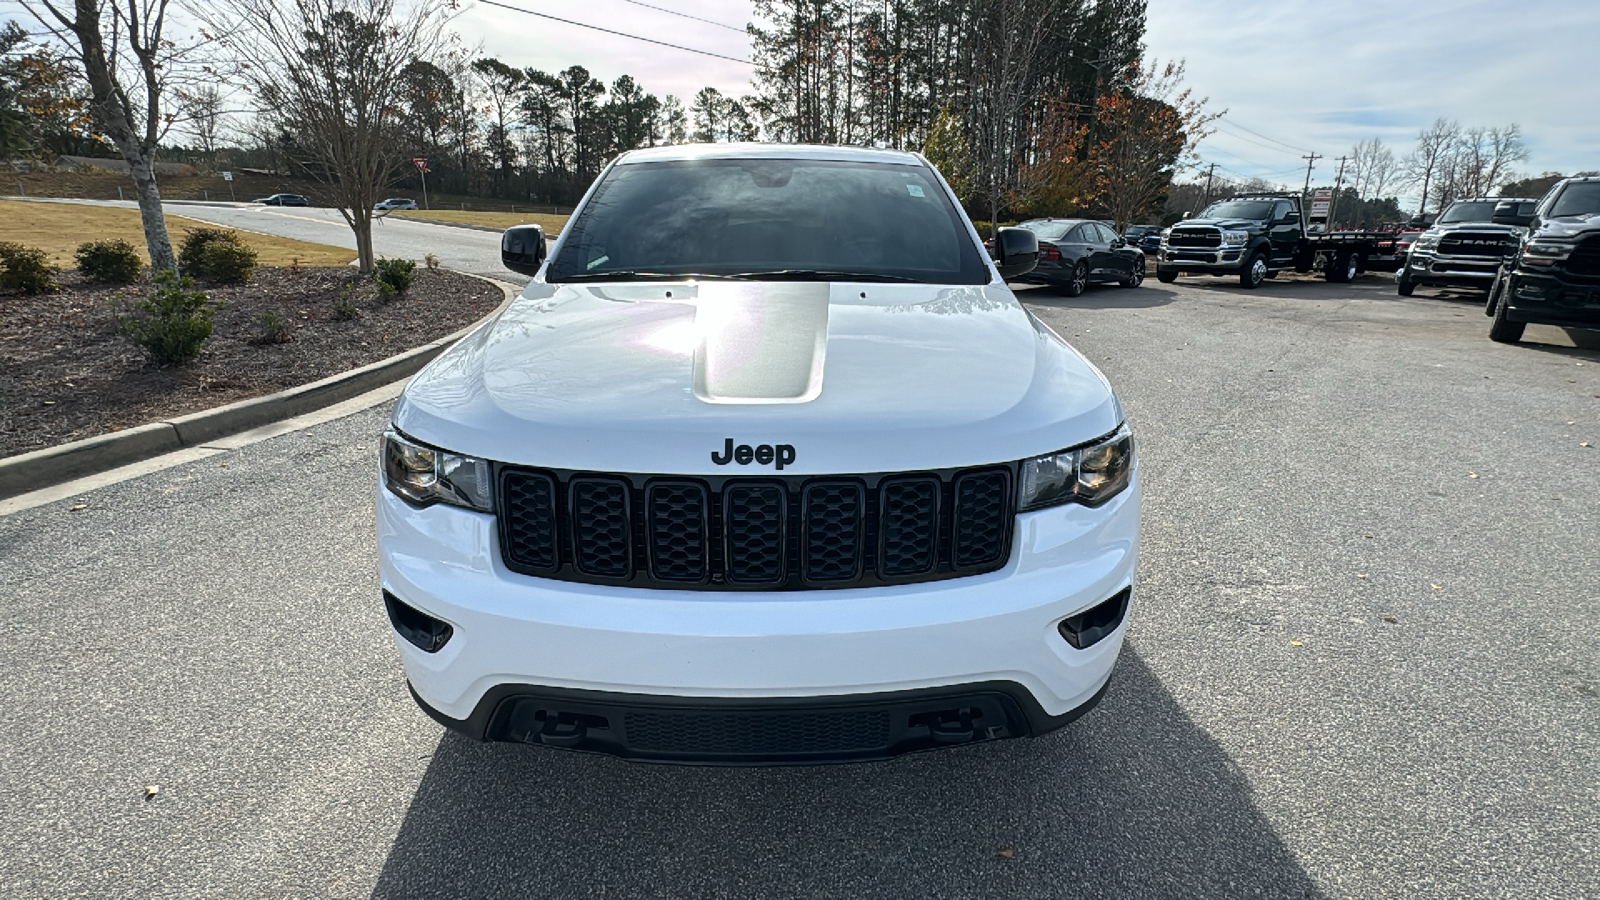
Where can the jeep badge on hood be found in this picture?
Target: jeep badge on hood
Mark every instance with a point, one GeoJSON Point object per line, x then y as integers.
{"type": "Point", "coordinates": [763, 455]}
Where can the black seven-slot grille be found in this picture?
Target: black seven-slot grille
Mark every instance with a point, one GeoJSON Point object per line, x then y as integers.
{"type": "Point", "coordinates": [1205, 238]}
{"type": "Point", "coordinates": [1476, 243]}
{"type": "Point", "coordinates": [751, 533]}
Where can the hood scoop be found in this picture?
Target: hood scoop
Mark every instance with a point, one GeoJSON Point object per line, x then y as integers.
{"type": "Point", "coordinates": [760, 342]}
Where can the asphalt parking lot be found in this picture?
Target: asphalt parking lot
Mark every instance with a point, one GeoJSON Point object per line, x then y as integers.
{"type": "Point", "coordinates": [1362, 663]}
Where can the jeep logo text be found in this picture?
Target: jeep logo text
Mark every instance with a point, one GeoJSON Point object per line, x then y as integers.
{"type": "Point", "coordinates": [762, 454]}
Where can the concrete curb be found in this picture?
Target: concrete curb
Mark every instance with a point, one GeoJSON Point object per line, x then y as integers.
{"type": "Point", "coordinates": [548, 237]}
{"type": "Point", "coordinates": [53, 465]}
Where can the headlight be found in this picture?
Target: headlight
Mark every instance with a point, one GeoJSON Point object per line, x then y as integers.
{"type": "Point", "coordinates": [1235, 238]}
{"type": "Point", "coordinates": [423, 475]}
{"type": "Point", "coordinates": [1544, 254]}
{"type": "Point", "coordinates": [1089, 475]}
{"type": "Point", "coordinates": [1426, 242]}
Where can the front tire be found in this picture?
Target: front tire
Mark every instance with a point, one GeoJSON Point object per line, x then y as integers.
{"type": "Point", "coordinates": [1166, 276]}
{"type": "Point", "coordinates": [1405, 285]}
{"type": "Point", "coordinates": [1502, 330]}
{"type": "Point", "coordinates": [1254, 271]}
{"type": "Point", "coordinates": [1136, 277]}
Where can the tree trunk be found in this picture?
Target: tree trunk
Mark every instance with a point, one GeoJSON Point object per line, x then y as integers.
{"type": "Point", "coordinates": [361, 224]}
{"type": "Point", "coordinates": [156, 240]}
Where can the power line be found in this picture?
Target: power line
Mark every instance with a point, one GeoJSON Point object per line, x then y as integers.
{"type": "Point", "coordinates": [636, 37]}
{"type": "Point", "coordinates": [1240, 137]}
{"type": "Point", "coordinates": [1264, 137]}
{"type": "Point", "coordinates": [673, 12]}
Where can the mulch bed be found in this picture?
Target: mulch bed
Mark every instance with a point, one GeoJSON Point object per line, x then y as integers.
{"type": "Point", "coordinates": [66, 374]}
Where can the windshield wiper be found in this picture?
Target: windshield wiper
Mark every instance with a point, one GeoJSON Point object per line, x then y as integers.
{"type": "Point", "coordinates": [820, 275]}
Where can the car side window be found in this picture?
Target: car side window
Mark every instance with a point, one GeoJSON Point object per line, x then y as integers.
{"type": "Point", "coordinates": [1280, 210]}
{"type": "Point", "coordinates": [1076, 236]}
{"type": "Point", "coordinates": [1107, 236]}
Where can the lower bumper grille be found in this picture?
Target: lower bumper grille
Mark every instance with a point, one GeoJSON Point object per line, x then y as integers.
{"type": "Point", "coordinates": [781, 533]}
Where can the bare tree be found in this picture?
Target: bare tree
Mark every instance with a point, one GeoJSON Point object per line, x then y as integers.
{"type": "Point", "coordinates": [203, 118]}
{"type": "Point", "coordinates": [1003, 92]}
{"type": "Point", "coordinates": [130, 63]}
{"type": "Point", "coordinates": [331, 72]}
{"type": "Point", "coordinates": [1435, 144]}
{"type": "Point", "coordinates": [1372, 165]}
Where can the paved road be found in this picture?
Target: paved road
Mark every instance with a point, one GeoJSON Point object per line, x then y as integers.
{"type": "Point", "coordinates": [1310, 453]}
{"type": "Point", "coordinates": [463, 249]}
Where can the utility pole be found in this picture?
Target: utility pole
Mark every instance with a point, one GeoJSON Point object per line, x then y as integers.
{"type": "Point", "coordinates": [1311, 160]}
{"type": "Point", "coordinates": [1337, 181]}
{"type": "Point", "coordinates": [1209, 173]}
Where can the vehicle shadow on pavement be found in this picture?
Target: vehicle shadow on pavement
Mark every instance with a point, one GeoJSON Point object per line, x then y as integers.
{"type": "Point", "coordinates": [1133, 800]}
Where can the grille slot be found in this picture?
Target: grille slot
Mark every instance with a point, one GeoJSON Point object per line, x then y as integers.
{"type": "Point", "coordinates": [983, 501]}
{"type": "Point", "coordinates": [742, 733]}
{"type": "Point", "coordinates": [678, 532]}
{"type": "Point", "coordinates": [601, 527]}
{"type": "Point", "coordinates": [528, 520]}
{"type": "Point", "coordinates": [834, 514]}
{"type": "Point", "coordinates": [755, 533]}
{"type": "Point", "coordinates": [910, 511]}
{"type": "Point", "coordinates": [776, 533]}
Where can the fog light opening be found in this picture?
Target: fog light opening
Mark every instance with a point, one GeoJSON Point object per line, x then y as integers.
{"type": "Point", "coordinates": [426, 632]}
{"type": "Point", "coordinates": [1091, 626]}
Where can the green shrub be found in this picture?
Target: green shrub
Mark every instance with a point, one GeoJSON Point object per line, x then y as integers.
{"type": "Point", "coordinates": [271, 328]}
{"type": "Point", "coordinates": [344, 308]}
{"type": "Point", "coordinates": [230, 262]}
{"type": "Point", "coordinates": [218, 254]}
{"type": "Point", "coordinates": [172, 322]}
{"type": "Point", "coordinates": [394, 276]}
{"type": "Point", "coordinates": [109, 262]}
{"type": "Point", "coordinates": [26, 269]}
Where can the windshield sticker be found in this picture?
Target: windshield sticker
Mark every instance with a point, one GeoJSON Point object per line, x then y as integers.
{"type": "Point", "coordinates": [601, 261]}
{"type": "Point", "coordinates": [915, 190]}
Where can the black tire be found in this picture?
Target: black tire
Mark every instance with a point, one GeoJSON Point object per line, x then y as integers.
{"type": "Point", "coordinates": [1343, 268]}
{"type": "Point", "coordinates": [1405, 285]}
{"type": "Point", "coordinates": [1502, 330]}
{"type": "Point", "coordinates": [1494, 295]}
{"type": "Point", "coordinates": [1166, 276]}
{"type": "Point", "coordinates": [1254, 271]}
{"type": "Point", "coordinates": [1136, 277]}
{"type": "Point", "coordinates": [1073, 287]}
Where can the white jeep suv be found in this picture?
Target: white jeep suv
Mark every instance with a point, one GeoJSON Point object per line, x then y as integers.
{"type": "Point", "coordinates": [766, 466]}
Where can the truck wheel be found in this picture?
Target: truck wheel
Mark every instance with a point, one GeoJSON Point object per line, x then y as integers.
{"type": "Point", "coordinates": [1254, 271]}
{"type": "Point", "coordinates": [1079, 280]}
{"type": "Point", "coordinates": [1166, 276]}
{"type": "Point", "coordinates": [1502, 330]}
{"type": "Point", "coordinates": [1343, 268]}
{"type": "Point", "coordinates": [1494, 295]}
{"type": "Point", "coordinates": [1405, 285]}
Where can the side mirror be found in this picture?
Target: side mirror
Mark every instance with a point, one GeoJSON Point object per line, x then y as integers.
{"type": "Point", "coordinates": [1510, 214]}
{"type": "Point", "coordinates": [1289, 218]}
{"type": "Point", "coordinates": [522, 249]}
{"type": "Point", "coordinates": [1016, 252]}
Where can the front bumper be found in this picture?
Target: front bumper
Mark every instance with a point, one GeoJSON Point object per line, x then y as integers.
{"type": "Point", "coordinates": [519, 645]}
{"type": "Point", "coordinates": [1546, 298]}
{"type": "Point", "coordinates": [1224, 260]}
{"type": "Point", "coordinates": [1433, 270]}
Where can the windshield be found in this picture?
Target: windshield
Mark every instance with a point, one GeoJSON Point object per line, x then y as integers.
{"type": "Point", "coordinates": [1259, 210]}
{"type": "Point", "coordinates": [774, 218]}
{"type": "Point", "coordinates": [1475, 211]}
{"type": "Point", "coordinates": [1578, 199]}
{"type": "Point", "coordinates": [1049, 231]}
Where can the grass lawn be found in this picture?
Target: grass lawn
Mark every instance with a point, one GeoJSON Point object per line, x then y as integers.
{"type": "Point", "coordinates": [58, 229]}
{"type": "Point", "coordinates": [552, 224]}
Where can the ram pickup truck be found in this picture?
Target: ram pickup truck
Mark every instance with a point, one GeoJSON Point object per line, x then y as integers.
{"type": "Point", "coordinates": [1553, 276]}
{"type": "Point", "coordinates": [1465, 246]}
{"type": "Point", "coordinates": [1254, 238]}
{"type": "Point", "coordinates": [766, 465]}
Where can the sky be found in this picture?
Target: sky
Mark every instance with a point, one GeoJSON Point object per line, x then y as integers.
{"type": "Point", "coordinates": [1294, 76]}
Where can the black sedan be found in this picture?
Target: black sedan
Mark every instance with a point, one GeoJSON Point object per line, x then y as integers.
{"type": "Point", "coordinates": [284, 200]}
{"type": "Point", "coordinates": [1075, 252]}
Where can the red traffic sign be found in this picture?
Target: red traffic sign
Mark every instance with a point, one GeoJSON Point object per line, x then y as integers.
{"type": "Point", "coordinates": [421, 162]}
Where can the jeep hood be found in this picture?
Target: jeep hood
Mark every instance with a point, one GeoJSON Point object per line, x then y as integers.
{"type": "Point", "coordinates": [655, 377]}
